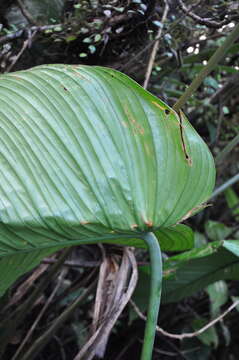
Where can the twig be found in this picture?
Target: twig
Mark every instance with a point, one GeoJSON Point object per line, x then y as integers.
{"type": "Point", "coordinates": [26, 285]}
{"type": "Point", "coordinates": [219, 122]}
{"type": "Point", "coordinates": [213, 61]}
{"type": "Point", "coordinates": [155, 47]}
{"type": "Point", "coordinates": [16, 35]}
{"type": "Point", "coordinates": [148, 46]}
{"type": "Point", "coordinates": [26, 13]}
{"type": "Point", "coordinates": [224, 186]}
{"type": "Point", "coordinates": [204, 21]}
{"type": "Point", "coordinates": [39, 343]}
{"type": "Point", "coordinates": [26, 44]}
{"type": "Point", "coordinates": [78, 264]}
{"type": "Point", "coordinates": [31, 330]}
{"type": "Point", "coordinates": [187, 335]}
{"type": "Point", "coordinates": [18, 315]}
{"type": "Point", "coordinates": [225, 93]}
{"type": "Point", "coordinates": [228, 148]}
{"type": "Point", "coordinates": [120, 298]}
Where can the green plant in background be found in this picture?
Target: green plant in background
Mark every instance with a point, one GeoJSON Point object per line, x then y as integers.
{"type": "Point", "coordinates": [89, 156]}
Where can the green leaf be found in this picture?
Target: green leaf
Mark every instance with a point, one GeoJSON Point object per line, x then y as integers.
{"type": "Point", "coordinates": [232, 246]}
{"type": "Point", "coordinates": [15, 265]}
{"type": "Point", "coordinates": [158, 23]}
{"type": "Point", "coordinates": [175, 238]}
{"type": "Point", "coordinates": [210, 81]}
{"type": "Point", "coordinates": [234, 299]}
{"type": "Point", "coordinates": [97, 37]}
{"type": "Point", "coordinates": [218, 294]}
{"type": "Point", "coordinates": [232, 201]}
{"type": "Point", "coordinates": [194, 270]}
{"type": "Point", "coordinates": [82, 55]}
{"type": "Point", "coordinates": [216, 230]}
{"type": "Point", "coordinates": [87, 40]}
{"type": "Point", "coordinates": [92, 49]}
{"type": "Point", "coordinates": [88, 155]}
{"type": "Point", "coordinates": [208, 337]}
{"type": "Point", "coordinates": [70, 38]}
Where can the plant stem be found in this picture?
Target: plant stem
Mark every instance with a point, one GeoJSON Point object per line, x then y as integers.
{"type": "Point", "coordinates": [221, 156]}
{"type": "Point", "coordinates": [224, 186]}
{"type": "Point", "coordinates": [155, 294]}
{"type": "Point", "coordinates": [213, 61]}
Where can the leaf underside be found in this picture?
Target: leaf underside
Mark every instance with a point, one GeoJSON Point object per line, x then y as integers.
{"type": "Point", "coordinates": [87, 155]}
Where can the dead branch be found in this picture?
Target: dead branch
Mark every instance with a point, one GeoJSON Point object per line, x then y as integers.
{"type": "Point", "coordinates": [186, 335]}
{"type": "Point", "coordinates": [117, 300]}
{"type": "Point", "coordinates": [206, 21]}
{"type": "Point", "coordinates": [26, 13]}
{"type": "Point", "coordinates": [19, 33]}
{"type": "Point", "coordinates": [155, 47]}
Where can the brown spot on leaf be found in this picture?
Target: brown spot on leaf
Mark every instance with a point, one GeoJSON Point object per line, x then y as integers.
{"type": "Point", "coordinates": [17, 77]}
{"type": "Point", "coordinates": [84, 222]}
{"type": "Point", "coordinates": [193, 211]}
{"type": "Point", "coordinates": [80, 75]}
{"type": "Point", "coordinates": [137, 128]}
{"type": "Point", "coordinates": [149, 223]}
{"type": "Point", "coordinates": [158, 105]}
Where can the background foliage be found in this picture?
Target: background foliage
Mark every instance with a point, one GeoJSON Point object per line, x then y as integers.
{"type": "Point", "coordinates": [199, 283]}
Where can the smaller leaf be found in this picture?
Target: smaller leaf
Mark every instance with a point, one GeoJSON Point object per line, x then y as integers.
{"type": "Point", "coordinates": [210, 81]}
{"type": "Point", "coordinates": [58, 28]}
{"type": "Point", "coordinates": [119, 9]}
{"type": "Point", "coordinates": [196, 269]}
{"type": "Point", "coordinates": [217, 231]}
{"type": "Point", "coordinates": [83, 30]}
{"type": "Point", "coordinates": [232, 200]}
{"type": "Point", "coordinates": [71, 38]}
{"type": "Point", "coordinates": [97, 37]}
{"type": "Point", "coordinates": [225, 110]}
{"type": "Point", "coordinates": [143, 7]}
{"type": "Point", "coordinates": [87, 40]}
{"type": "Point", "coordinates": [234, 299]}
{"type": "Point", "coordinates": [232, 246]}
{"type": "Point", "coordinates": [218, 294]}
{"type": "Point", "coordinates": [208, 337]}
{"type": "Point", "coordinates": [158, 23]}
{"type": "Point", "coordinates": [199, 239]}
{"type": "Point", "coordinates": [92, 49]}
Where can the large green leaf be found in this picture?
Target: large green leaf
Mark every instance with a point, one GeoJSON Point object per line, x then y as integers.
{"type": "Point", "coordinates": [88, 155]}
